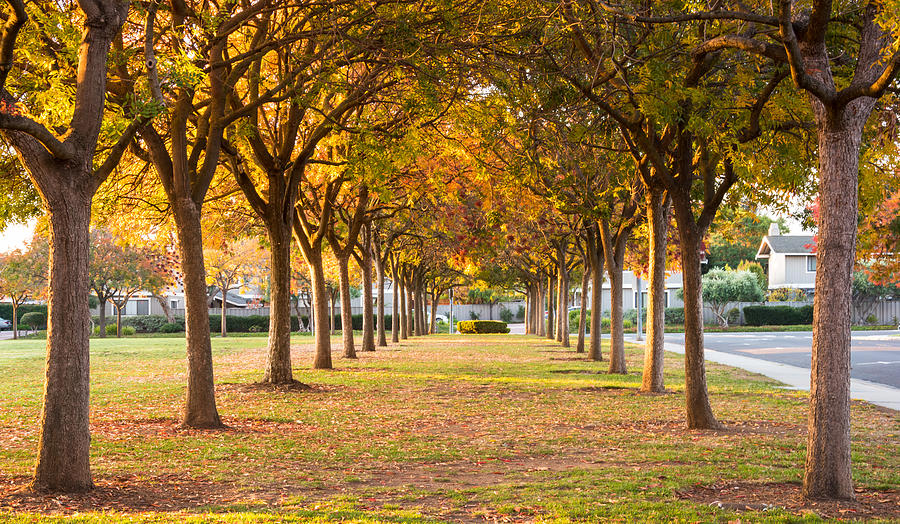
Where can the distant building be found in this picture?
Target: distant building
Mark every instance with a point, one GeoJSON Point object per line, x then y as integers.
{"type": "Point", "coordinates": [791, 258]}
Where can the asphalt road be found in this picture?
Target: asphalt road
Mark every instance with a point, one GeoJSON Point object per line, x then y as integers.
{"type": "Point", "coordinates": [874, 355]}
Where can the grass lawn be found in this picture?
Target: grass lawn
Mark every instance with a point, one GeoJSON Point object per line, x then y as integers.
{"type": "Point", "coordinates": [497, 428]}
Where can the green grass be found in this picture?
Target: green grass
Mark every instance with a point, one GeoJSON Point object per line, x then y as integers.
{"type": "Point", "coordinates": [442, 428]}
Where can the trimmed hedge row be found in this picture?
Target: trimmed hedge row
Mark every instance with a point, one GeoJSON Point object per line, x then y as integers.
{"type": "Point", "coordinates": [234, 324]}
{"type": "Point", "coordinates": [482, 326]}
{"type": "Point", "coordinates": [777, 315]}
{"type": "Point", "coordinates": [6, 310]}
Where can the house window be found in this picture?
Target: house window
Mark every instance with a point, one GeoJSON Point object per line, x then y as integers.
{"type": "Point", "coordinates": [811, 263]}
{"type": "Point", "coordinates": [142, 307]}
{"type": "Point", "coordinates": [173, 304]}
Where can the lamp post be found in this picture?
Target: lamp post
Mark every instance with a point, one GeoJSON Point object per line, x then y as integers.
{"type": "Point", "coordinates": [450, 319]}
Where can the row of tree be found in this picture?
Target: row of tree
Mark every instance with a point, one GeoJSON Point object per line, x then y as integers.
{"type": "Point", "coordinates": [423, 140]}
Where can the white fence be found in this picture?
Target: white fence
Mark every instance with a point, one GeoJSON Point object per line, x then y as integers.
{"type": "Point", "coordinates": [884, 312]}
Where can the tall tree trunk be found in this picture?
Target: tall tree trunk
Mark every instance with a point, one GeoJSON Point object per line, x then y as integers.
{"type": "Point", "coordinates": [119, 320]}
{"type": "Point", "coordinates": [102, 321]}
{"type": "Point", "coordinates": [540, 326]}
{"type": "Point", "coordinates": [582, 317]}
{"type": "Point", "coordinates": [64, 443]}
{"type": "Point", "coordinates": [616, 317]}
{"type": "Point", "coordinates": [223, 318]}
{"type": "Point", "coordinates": [278, 354]}
{"type": "Point", "coordinates": [346, 310]}
{"type": "Point", "coordinates": [551, 311]}
{"type": "Point", "coordinates": [596, 259]}
{"type": "Point", "coordinates": [200, 404]}
{"type": "Point", "coordinates": [828, 468]}
{"type": "Point", "coordinates": [420, 302]}
{"type": "Point", "coordinates": [379, 277]}
{"type": "Point", "coordinates": [333, 306]}
{"type": "Point", "coordinates": [529, 304]}
{"type": "Point", "coordinates": [320, 310]}
{"type": "Point", "coordinates": [395, 305]}
{"type": "Point", "coordinates": [404, 311]}
{"type": "Point", "coordinates": [432, 328]}
{"type": "Point", "coordinates": [411, 308]}
{"type": "Point", "coordinates": [368, 327]}
{"type": "Point", "coordinates": [699, 412]}
{"type": "Point", "coordinates": [658, 220]}
{"type": "Point", "coordinates": [562, 310]}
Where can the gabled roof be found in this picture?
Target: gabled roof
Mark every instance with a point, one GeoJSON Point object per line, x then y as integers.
{"type": "Point", "coordinates": [786, 245]}
{"type": "Point", "coordinates": [232, 298]}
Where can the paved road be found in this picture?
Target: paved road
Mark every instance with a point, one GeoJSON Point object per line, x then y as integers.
{"type": "Point", "coordinates": [874, 355]}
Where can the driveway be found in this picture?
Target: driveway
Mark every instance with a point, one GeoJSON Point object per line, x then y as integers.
{"type": "Point", "coordinates": [874, 355]}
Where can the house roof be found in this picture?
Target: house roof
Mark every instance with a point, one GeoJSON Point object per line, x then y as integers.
{"type": "Point", "coordinates": [786, 245]}
{"type": "Point", "coordinates": [232, 298]}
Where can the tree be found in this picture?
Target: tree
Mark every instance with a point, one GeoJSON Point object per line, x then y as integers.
{"type": "Point", "coordinates": [23, 276]}
{"type": "Point", "coordinates": [722, 287]}
{"type": "Point", "coordinates": [66, 173]}
{"type": "Point", "coordinates": [232, 264]}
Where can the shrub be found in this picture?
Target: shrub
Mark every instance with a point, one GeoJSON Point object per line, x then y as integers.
{"type": "Point", "coordinates": [506, 315]}
{"type": "Point", "coordinates": [674, 316]}
{"type": "Point", "coordinates": [171, 328]}
{"type": "Point", "coordinates": [777, 315]}
{"type": "Point", "coordinates": [473, 315]}
{"type": "Point", "coordinates": [575, 316]}
{"type": "Point", "coordinates": [786, 294]}
{"type": "Point", "coordinates": [144, 323]}
{"type": "Point", "coordinates": [482, 326]}
{"type": "Point", "coordinates": [520, 314]}
{"type": "Point", "coordinates": [733, 315]}
{"type": "Point", "coordinates": [34, 320]}
{"type": "Point", "coordinates": [111, 330]}
{"type": "Point", "coordinates": [871, 319]}
{"type": "Point", "coordinates": [6, 310]}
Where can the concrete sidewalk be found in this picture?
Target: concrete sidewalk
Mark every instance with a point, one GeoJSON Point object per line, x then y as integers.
{"type": "Point", "coordinates": [796, 377]}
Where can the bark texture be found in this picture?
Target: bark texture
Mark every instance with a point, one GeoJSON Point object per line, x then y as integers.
{"type": "Point", "coordinates": [582, 316]}
{"type": "Point", "coordinates": [278, 354]}
{"type": "Point", "coordinates": [346, 310]}
{"type": "Point", "coordinates": [200, 398]}
{"type": "Point", "coordinates": [657, 218]}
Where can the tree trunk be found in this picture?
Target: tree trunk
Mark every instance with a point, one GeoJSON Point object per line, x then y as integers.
{"type": "Point", "coordinates": [658, 220]}
{"type": "Point", "coordinates": [368, 328]}
{"type": "Point", "coordinates": [119, 320]}
{"type": "Point", "coordinates": [411, 309]}
{"type": "Point", "coordinates": [828, 468]}
{"type": "Point", "coordinates": [582, 317]}
{"type": "Point", "coordinates": [395, 306]}
{"type": "Point", "coordinates": [595, 257]}
{"type": "Point", "coordinates": [551, 311]}
{"type": "Point", "coordinates": [64, 443]}
{"type": "Point", "coordinates": [379, 276]}
{"type": "Point", "coordinates": [699, 412]}
{"type": "Point", "coordinates": [432, 329]}
{"type": "Point", "coordinates": [346, 310]}
{"type": "Point", "coordinates": [102, 319]}
{"type": "Point", "coordinates": [562, 301]}
{"type": "Point", "coordinates": [223, 318]}
{"type": "Point", "coordinates": [200, 404]}
{"type": "Point", "coordinates": [616, 316]}
{"type": "Point", "coordinates": [333, 305]}
{"type": "Point", "coordinates": [420, 301]}
{"type": "Point", "coordinates": [540, 326]}
{"type": "Point", "coordinates": [404, 311]}
{"type": "Point", "coordinates": [320, 307]}
{"type": "Point", "coordinates": [278, 354]}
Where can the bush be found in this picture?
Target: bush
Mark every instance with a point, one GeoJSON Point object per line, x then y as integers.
{"type": "Point", "coordinates": [506, 315]}
{"type": "Point", "coordinates": [473, 315]}
{"type": "Point", "coordinates": [777, 315]}
{"type": "Point", "coordinates": [144, 323]}
{"type": "Point", "coordinates": [733, 315]}
{"type": "Point", "coordinates": [34, 320]}
{"type": "Point", "coordinates": [482, 326]}
{"type": "Point", "coordinates": [674, 316]}
{"type": "Point", "coordinates": [171, 328]}
{"type": "Point", "coordinates": [575, 316]}
{"type": "Point", "coordinates": [786, 294]}
{"type": "Point", "coordinates": [520, 314]}
{"type": "Point", "coordinates": [6, 310]}
{"type": "Point", "coordinates": [111, 330]}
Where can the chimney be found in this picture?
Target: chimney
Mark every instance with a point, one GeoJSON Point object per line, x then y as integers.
{"type": "Point", "coordinates": [774, 231]}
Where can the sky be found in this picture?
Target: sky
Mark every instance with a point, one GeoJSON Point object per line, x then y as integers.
{"type": "Point", "coordinates": [16, 236]}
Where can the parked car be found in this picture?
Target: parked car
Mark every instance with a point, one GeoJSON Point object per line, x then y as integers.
{"type": "Point", "coordinates": [440, 318]}
{"type": "Point", "coordinates": [5, 324]}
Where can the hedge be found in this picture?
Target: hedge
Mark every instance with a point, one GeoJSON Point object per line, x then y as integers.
{"type": "Point", "coordinates": [34, 320]}
{"type": "Point", "coordinates": [6, 310]}
{"type": "Point", "coordinates": [482, 326]}
{"type": "Point", "coordinates": [674, 316]}
{"type": "Point", "coordinates": [234, 324]}
{"type": "Point", "coordinates": [777, 315]}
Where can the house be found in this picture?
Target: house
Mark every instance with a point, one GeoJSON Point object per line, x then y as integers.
{"type": "Point", "coordinates": [791, 259]}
